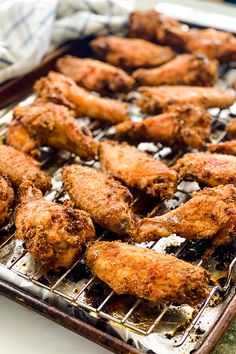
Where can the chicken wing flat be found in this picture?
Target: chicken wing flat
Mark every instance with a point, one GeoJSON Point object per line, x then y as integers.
{"type": "Point", "coordinates": [185, 69]}
{"type": "Point", "coordinates": [61, 89]}
{"type": "Point", "coordinates": [131, 53]}
{"type": "Point", "coordinates": [155, 99]}
{"type": "Point", "coordinates": [209, 42]}
{"type": "Point", "coordinates": [231, 127]}
{"type": "Point", "coordinates": [138, 169]}
{"type": "Point", "coordinates": [106, 200]}
{"type": "Point", "coordinates": [187, 124]}
{"type": "Point", "coordinates": [226, 147]}
{"type": "Point", "coordinates": [6, 199]}
{"type": "Point", "coordinates": [129, 269]}
{"type": "Point", "coordinates": [53, 233]}
{"type": "Point", "coordinates": [208, 169]}
{"type": "Point", "coordinates": [95, 75]}
{"type": "Point", "coordinates": [19, 167]}
{"type": "Point", "coordinates": [49, 124]}
{"type": "Point", "coordinates": [210, 213]}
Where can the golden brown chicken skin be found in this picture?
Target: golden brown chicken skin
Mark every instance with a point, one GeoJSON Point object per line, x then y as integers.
{"type": "Point", "coordinates": [207, 169]}
{"type": "Point", "coordinates": [95, 75]}
{"type": "Point", "coordinates": [187, 124]}
{"type": "Point", "coordinates": [185, 69]}
{"type": "Point", "coordinates": [155, 99]}
{"type": "Point", "coordinates": [61, 89]}
{"type": "Point", "coordinates": [138, 169]}
{"type": "Point", "coordinates": [210, 213]}
{"type": "Point", "coordinates": [105, 199]}
{"type": "Point", "coordinates": [129, 269]}
{"type": "Point", "coordinates": [226, 147]}
{"type": "Point", "coordinates": [49, 124]}
{"type": "Point", "coordinates": [231, 127]}
{"type": "Point", "coordinates": [53, 233]}
{"type": "Point", "coordinates": [19, 167]}
{"type": "Point", "coordinates": [6, 199]}
{"type": "Point", "coordinates": [131, 53]}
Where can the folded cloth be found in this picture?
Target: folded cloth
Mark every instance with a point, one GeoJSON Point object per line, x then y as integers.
{"type": "Point", "coordinates": [30, 28]}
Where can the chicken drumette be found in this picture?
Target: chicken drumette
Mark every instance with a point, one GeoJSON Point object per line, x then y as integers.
{"type": "Point", "coordinates": [131, 53]}
{"type": "Point", "coordinates": [185, 69]}
{"type": "Point", "coordinates": [19, 167]}
{"type": "Point", "coordinates": [105, 199]}
{"type": "Point", "coordinates": [207, 169]}
{"type": "Point", "coordinates": [143, 272]}
{"type": "Point", "coordinates": [226, 147]}
{"type": "Point", "coordinates": [210, 213]}
{"type": "Point", "coordinates": [95, 75]}
{"type": "Point", "coordinates": [53, 233]}
{"type": "Point", "coordinates": [155, 99]}
{"type": "Point", "coordinates": [187, 124]}
{"type": "Point", "coordinates": [61, 89]}
{"type": "Point", "coordinates": [44, 123]}
{"type": "Point", "coordinates": [6, 199]}
{"type": "Point", "coordinates": [138, 169]}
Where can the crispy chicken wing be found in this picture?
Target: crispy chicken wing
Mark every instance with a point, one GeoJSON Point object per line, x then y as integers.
{"type": "Point", "coordinates": [210, 213]}
{"type": "Point", "coordinates": [131, 53]}
{"type": "Point", "coordinates": [49, 124]}
{"type": "Point", "coordinates": [61, 89]}
{"type": "Point", "coordinates": [231, 127]}
{"type": "Point", "coordinates": [187, 124]}
{"type": "Point", "coordinates": [106, 200]}
{"type": "Point", "coordinates": [155, 99]}
{"type": "Point", "coordinates": [19, 167]}
{"type": "Point", "coordinates": [138, 169]}
{"type": "Point", "coordinates": [6, 199]}
{"type": "Point", "coordinates": [53, 233]}
{"type": "Point", "coordinates": [226, 147]}
{"type": "Point", "coordinates": [185, 69]}
{"type": "Point", "coordinates": [129, 269]}
{"type": "Point", "coordinates": [95, 75]}
{"type": "Point", "coordinates": [207, 169]}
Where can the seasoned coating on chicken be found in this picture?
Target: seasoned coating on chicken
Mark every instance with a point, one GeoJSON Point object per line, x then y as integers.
{"type": "Point", "coordinates": [185, 69]}
{"type": "Point", "coordinates": [143, 272]}
{"type": "Point", "coordinates": [49, 124]}
{"type": "Point", "coordinates": [226, 147]}
{"type": "Point", "coordinates": [53, 233]}
{"type": "Point", "coordinates": [209, 42]}
{"type": "Point", "coordinates": [210, 213]}
{"type": "Point", "coordinates": [105, 199]}
{"type": "Point", "coordinates": [187, 124]}
{"type": "Point", "coordinates": [61, 89]}
{"type": "Point", "coordinates": [138, 169]}
{"type": "Point", "coordinates": [144, 24]}
{"type": "Point", "coordinates": [231, 127]}
{"type": "Point", "coordinates": [19, 167]}
{"type": "Point", "coordinates": [95, 75]}
{"type": "Point", "coordinates": [6, 199]}
{"type": "Point", "coordinates": [131, 53]}
{"type": "Point", "coordinates": [155, 99]}
{"type": "Point", "coordinates": [207, 169]}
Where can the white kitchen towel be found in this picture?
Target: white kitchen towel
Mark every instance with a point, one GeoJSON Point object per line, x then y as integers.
{"type": "Point", "coordinates": [30, 28]}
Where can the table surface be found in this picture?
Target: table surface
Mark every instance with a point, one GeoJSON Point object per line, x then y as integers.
{"type": "Point", "coordinates": [34, 334]}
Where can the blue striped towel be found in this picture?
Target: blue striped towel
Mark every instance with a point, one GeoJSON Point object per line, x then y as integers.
{"type": "Point", "coordinates": [30, 28]}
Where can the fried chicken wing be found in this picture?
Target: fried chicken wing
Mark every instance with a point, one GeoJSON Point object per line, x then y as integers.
{"type": "Point", "coordinates": [95, 75]}
{"type": "Point", "coordinates": [208, 169]}
{"type": "Point", "coordinates": [226, 147]}
{"type": "Point", "coordinates": [6, 199]}
{"type": "Point", "coordinates": [210, 213]}
{"type": "Point", "coordinates": [131, 53]}
{"type": "Point", "coordinates": [143, 272]}
{"type": "Point", "coordinates": [185, 69]}
{"type": "Point", "coordinates": [61, 89]}
{"type": "Point", "coordinates": [105, 199]}
{"type": "Point", "coordinates": [49, 124]}
{"type": "Point", "coordinates": [231, 127]}
{"type": "Point", "coordinates": [186, 124]}
{"type": "Point", "coordinates": [138, 169]}
{"type": "Point", "coordinates": [155, 99]}
{"type": "Point", "coordinates": [53, 233]}
{"type": "Point", "coordinates": [209, 42]}
{"type": "Point", "coordinates": [19, 167]}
